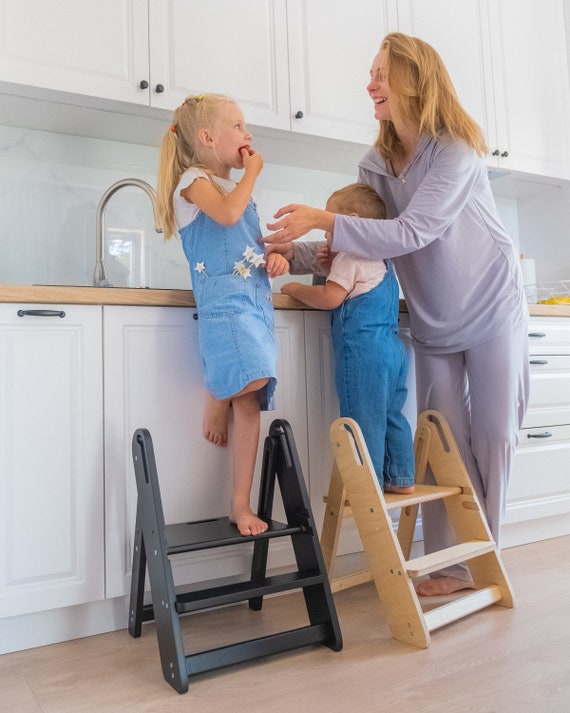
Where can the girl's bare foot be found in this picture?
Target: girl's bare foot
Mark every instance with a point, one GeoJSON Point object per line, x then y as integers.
{"type": "Point", "coordinates": [247, 521]}
{"type": "Point", "coordinates": [403, 489]}
{"type": "Point", "coordinates": [215, 426]}
{"type": "Point", "coordinates": [440, 586]}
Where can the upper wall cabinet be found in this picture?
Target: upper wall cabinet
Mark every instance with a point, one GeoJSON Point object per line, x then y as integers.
{"type": "Point", "coordinates": [94, 47]}
{"type": "Point", "coordinates": [298, 65]}
{"type": "Point", "coordinates": [508, 61]}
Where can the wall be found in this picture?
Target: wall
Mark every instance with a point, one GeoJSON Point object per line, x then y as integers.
{"type": "Point", "coordinates": [545, 233]}
{"type": "Point", "coordinates": [51, 183]}
{"type": "Point", "coordinates": [50, 186]}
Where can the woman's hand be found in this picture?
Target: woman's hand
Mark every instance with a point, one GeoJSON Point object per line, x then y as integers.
{"type": "Point", "coordinates": [276, 265]}
{"type": "Point", "coordinates": [297, 220]}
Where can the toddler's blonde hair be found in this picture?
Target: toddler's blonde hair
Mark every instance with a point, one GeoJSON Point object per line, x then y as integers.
{"type": "Point", "coordinates": [359, 198]}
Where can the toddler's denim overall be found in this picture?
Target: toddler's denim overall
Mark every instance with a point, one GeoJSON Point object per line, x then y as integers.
{"type": "Point", "coordinates": [370, 374]}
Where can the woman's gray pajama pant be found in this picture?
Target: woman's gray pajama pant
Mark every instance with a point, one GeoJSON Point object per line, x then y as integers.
{"type": "Point", "coordinates": [483, 394]}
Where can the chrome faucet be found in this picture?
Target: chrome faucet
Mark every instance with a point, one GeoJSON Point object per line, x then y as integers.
{"type": "Point", "coordinates": [99, 275]}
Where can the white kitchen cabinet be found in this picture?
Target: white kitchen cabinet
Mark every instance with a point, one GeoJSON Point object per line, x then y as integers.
{"type": "Point", "coordinates": [153, 380]}
{"type": "Point", "coordinates": [509, 63]}
{"type": "Point", "coordinates": [331, 48]}
{"type": "Point", "coordinates": [299, 65]}
{"type": "Point", "coordinates": [51, 456]}
{"type": "Point", "coordinates": [538, 499]}
{"type": "Point", "coordinates": [97, 48]}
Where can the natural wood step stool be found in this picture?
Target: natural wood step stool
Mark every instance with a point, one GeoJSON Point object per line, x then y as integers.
{"type": "Point", "coordinates": [354, 491]}
{"type": "Point", "coordinates": [155, 542]}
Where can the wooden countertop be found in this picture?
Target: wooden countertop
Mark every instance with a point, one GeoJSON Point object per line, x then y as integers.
{"type": "Point", "coordinates": [53, 294]}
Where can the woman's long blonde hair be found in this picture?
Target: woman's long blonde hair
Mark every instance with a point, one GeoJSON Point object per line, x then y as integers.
{"type": "Point", "coordinates": [178, 150]}
{"type": "Point", "coordinates": [423, 95]}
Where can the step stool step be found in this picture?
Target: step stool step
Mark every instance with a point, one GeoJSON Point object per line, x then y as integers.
{"type": "Point", "coordinates": [353, 579]}
{"type": "Point", "coordinates": [421, 494]}
{"type": "Point", "coordinates": [219, 593]}
{"type": "Point", "coordinates": [462, 606]}
{"type": "Point", "coordinates": [445, 558]}
{"type": "Point", "coordinates": [218, 532]}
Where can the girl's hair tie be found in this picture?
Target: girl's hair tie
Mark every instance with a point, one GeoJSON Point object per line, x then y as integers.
{"type": "Point", "coordinates": [173, 128]}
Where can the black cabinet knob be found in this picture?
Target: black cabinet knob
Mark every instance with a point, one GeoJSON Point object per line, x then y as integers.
{"type": "Point", "coordinates": [505, 154]}
{"type": "Point", "coordinates": [143, 84]}
{"type": "Point", "coordinates": [299, 115]}
{"type": "Point", "coordinates": [496, 152]}
{"type": "Point", "coordinates": [159, 89]}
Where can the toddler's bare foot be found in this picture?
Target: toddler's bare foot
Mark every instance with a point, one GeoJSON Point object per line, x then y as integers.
{"type": "Point", "coordinates": [215, 426]}
{"type": "Point", "coordinates": [247, 521]}
{"type": "Point", "coordinates": [441, 586]}
{"type": "Point", "coordinates": [403, 489]}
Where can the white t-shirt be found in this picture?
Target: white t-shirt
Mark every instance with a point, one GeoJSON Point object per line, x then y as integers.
{"type": "Point", "coordinates": [186, 212]}
{"type": "Point", "coordinates": [355, 274]}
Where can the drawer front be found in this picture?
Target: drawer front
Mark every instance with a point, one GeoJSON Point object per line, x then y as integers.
{"type": "Point", "coordinates": [542, 437]}
{"type": "Point", "coordinates": [541, 464]}
{"type": "Point", "coordinates": [549, 400]}
{"type": "Point", "coordinates": [549, 336]}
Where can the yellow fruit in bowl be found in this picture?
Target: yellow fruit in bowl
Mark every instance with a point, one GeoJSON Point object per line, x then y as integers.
{"type": "Point", "coordinates": [555, 301]}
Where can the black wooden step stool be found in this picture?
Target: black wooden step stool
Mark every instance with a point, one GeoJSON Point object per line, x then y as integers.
{"type": "Point", "coordinates": [155, 542]}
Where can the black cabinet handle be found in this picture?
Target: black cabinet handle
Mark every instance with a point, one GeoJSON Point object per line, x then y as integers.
{"type": "Point", "coordinates": [545, 434]}
{"type": "Point", "coordinates": [143, 84]}
{"type": "Point", "coordinates": [299, 115]}
{"type": "Point", "coordinates": [505, 154]}
{"type": "Point", "coordinates": [539, 362]}
{"type": "Point", "coordinates": [159, 88]}
{"type": "Point", "coordinates": [41, 313]}
{"type": "Point", "coordinates": [496, 152]}
{"type": "Point", "coordinates": [538, 335]}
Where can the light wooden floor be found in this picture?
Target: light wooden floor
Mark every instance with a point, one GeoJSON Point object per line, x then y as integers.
{"type": "Point", "coordinates": [496, 661]}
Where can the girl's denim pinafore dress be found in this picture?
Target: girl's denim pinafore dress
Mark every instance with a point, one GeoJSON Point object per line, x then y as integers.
{"type": "Point", "coordinates": [234, 302]}
{"type": "Point", "coordinates": [370, 374]}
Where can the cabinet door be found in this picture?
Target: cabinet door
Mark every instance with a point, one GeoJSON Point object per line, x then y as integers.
{"type": "Point", "coordinates": [462, 49]}
{"type": "Point", "coordinates": [153, 380]}
{"type": "Point", "coordinates": [531, 86]}
{"type": "Point", "coordinates": [94, 47]}
{"type": "Point", "coordinates": [51, 458]}
{"type": "Point", "coordinates": [332, 45]}
{"type": "Point", "coordinates": [225, 47]}
{"type": "Point", "coordinates": [509, 63]}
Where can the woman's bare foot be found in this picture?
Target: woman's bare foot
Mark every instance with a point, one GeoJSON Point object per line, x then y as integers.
{"type": "Point", "coordinates": [215, 425]}
{"type": "Point", "coordinates": [247, 521]}
{"type": "Point", "coordinates": [403, 489]}
{"type": "Point", "coordinates": [440, 586]}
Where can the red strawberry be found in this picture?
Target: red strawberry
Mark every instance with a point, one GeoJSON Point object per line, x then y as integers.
{"type": "Point", "coordinates": [247, 147]}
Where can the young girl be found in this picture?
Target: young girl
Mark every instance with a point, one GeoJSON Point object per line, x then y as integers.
{"type": "Point", "coordinates": [219, 227]}
{"type": "Point", "coordinates": [370, 360]}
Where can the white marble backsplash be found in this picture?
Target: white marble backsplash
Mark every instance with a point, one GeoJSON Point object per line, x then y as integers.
{"type": "Point", "coordinates": [51, 184]}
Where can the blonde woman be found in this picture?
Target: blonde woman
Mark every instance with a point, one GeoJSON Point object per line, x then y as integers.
{"type": "Point", "coordinates": [456, 265]}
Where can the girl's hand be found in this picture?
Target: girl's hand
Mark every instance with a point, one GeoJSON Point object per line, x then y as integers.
{"type": "Point", "coordinates": [298, 221]}
{"type": "Point", "coordinates": [325, 258]}
{"type": "Point", "coordinates": [285, 249]}
{"type": "Point", "coordinates": [276, 265]}
{"type": "Point", "coordinates": [252, 161]}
